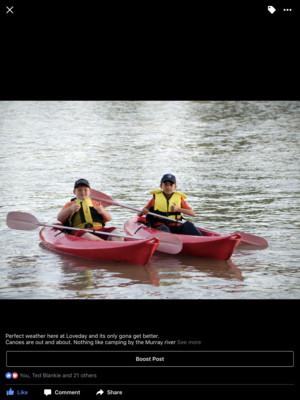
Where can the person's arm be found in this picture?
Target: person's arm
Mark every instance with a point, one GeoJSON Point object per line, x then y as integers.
{"type": "Point", "coordinates": [67, 210]}
{"type": "Point", "coordinates": [102, 211]}
{"type": "Point", "coordinates": [146, 209]}
{"type": "Point", "coordinates": [184, 209]}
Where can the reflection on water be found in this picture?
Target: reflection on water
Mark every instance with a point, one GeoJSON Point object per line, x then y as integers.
{"type": "Point", "coordinates": [171, 270]}
{"type": "Point", "coordinates": [238, 162]}
{"type": "Point", "coordinates": [82, 278]}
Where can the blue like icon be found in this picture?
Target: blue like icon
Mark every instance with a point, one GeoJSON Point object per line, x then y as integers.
{"type": "Point", "coordinates": [10, 392]}
{"type": "Point", "coordinates": [8, 375]}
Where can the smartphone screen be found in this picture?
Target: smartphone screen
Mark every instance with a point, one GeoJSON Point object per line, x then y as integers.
{"type": "Point", "coordinates": [114, 98]}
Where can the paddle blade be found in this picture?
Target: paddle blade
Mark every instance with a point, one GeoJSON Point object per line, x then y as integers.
{"type": "Point", "coordinates": [254, 240]}
{"type": "Point", "coordinates": [106, 201]}
{"type": "Point", "coordinates": [21, 221]}
{"type": "Point", "coordinates": [170, 244]}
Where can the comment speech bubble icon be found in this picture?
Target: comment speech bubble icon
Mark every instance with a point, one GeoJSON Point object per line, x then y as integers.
{"type": "Point", "coordinates": [47, 392]}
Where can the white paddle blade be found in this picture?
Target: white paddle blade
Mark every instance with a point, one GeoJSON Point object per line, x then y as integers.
{"type": "Point", "coordinates": [170, 244]}
{"type": "Point", "coordinates": [170, 248]}
{"type": "Point", "coordinates": [21, 221]}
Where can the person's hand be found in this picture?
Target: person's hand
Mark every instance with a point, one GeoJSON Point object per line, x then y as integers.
{"type": "Point", "coordinates": [144, 211]}
{"type": "Point", "coordinates": [75, 207]}
{"type": "Point", "coordinates": [174, 208]}
{"type": "Point", "coordinates": [100, 208]}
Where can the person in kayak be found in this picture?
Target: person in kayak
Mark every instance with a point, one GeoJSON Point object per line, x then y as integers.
{"type": "Point", "coordinates": [82, 212]}
{"type": "Point", "coordinates": [169, 203]}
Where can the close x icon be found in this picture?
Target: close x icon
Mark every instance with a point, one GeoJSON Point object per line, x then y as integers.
{"type": "Point", "coordinates": [9, 9]}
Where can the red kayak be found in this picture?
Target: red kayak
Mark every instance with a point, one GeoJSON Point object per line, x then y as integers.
{"type": "Point", "coordinates": [131, 251]}
{"type": "Point", "coordinates": [211, 244]}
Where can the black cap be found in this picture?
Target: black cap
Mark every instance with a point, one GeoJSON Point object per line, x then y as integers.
{"type": "Point", "coordinates": [83, 182]}
{"type": "Point", "coordinates": [168, 177]}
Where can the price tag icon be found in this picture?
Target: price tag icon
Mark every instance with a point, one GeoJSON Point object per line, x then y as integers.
{"type": "Point", "coordinates": [271, 9]}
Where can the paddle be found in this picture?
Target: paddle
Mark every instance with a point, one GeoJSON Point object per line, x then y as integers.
{"type": "Point", "coordinates": [27, 222]}
{"type": "Point", "coordinates": [247, 238]}
{"type": "Point", "coordinates": [254, 240]}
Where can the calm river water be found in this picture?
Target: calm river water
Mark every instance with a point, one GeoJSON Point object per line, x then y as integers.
{"type": "Point", "coordinates": [238, 162]}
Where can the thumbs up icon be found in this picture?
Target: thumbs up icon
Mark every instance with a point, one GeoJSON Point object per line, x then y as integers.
{"type": "Point", "coordinates": [10, 392]}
